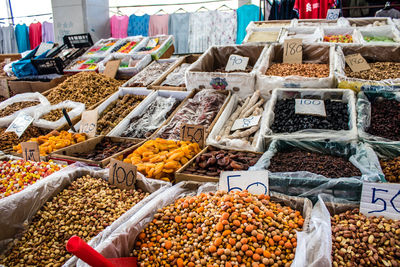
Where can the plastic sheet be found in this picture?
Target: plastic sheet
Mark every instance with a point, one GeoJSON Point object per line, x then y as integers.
{"type": "Point", "coordinates": [177, 76]}
{"type": "Point", "coordinates": [312, 53]}
{"type": "Point", "coordinates": [215, 138]}
{"type": "Point", "coordinates": [42, 102]}
{"type": "Point", "coordinates": [385, 31]}
{"type": "Point", "coordinates": [346, 96]}
{"type": "Point", "coordinates": [308, 184]}
{"type": "Point", "coordinates": [386, 148]}
{"type": "Point", "coordinates": [340, 22]}
{"type": "Point", "coordinates": [202, 109]}
{"type": "Point", "coordinates": [307, 34]}
{"type": "Point", "coordinates": [264, 35]}
{"type": "Point", "coordinates": [371, 54]}
{"type": "Point", "coordinates": [268, 24]}
{"type": "Point", "coordinates": [120, 242]}
{"type": "Point", "coordinates": [128, 72]}
{"type": "Point", "coordinates": [368, 22]}
{"type": "Point", "coordinates": [18, 209]}
{"type": "Point", "coordinates": [202, 74]}
{"type": "Point", "coordinates": [77, 109]}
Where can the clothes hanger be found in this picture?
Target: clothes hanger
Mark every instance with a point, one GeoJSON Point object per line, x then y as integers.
{"type": "Point", "coordinates": [160, 11]}
{"type": "Point", "coordinates": [202, 7]}
{"type": "Point", "coordinates": [387, 6]}
{"type": "Point", "coordinates": [138, 12]}
{"type": "Point", "coordinates": [119, 12]}
{"type": "Point", "coordinates": [180, 9]}
{"type": "Point", "coordinates": [224, 6]}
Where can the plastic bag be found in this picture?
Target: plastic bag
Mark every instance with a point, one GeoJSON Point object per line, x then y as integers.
{"type": "Point", "coordinates": [388, 31]}
{"type": "Point", "coordinates": [342, 31]}
{"type": "Point", "coordinates": [215, 137]}
{"type": "Point", "coordinates": [126, 72]}
{"type": "Point", "coordinates": [308, 184]}
{"type": "Point", "coordinates": [202, 73]}
{"type": "Point", "coordinates": [177, 76]}
{"type": "Point", "coordinates": [42, 103]}
{"type": "Point", "coordinates": [386, 148]}
{"type": "Point", "coordinates": [18, 209]}
{"type": "Point", "coordinates": [202, 109]}
{"type": "Point", "coordinates": [264, 35]}
{"type": "Point", "coordinates": [346, 96]}
{"type": "Point", "coordinates": [372, 54]}
{"type": "Point", "coordinates": [77, 109]}
{"type": "Point", "coordinates": [307, 34]}
{"type": "Point", "coordinates": [312, 53]}
{"type": "Point", "coordinates": [120, 243]}
{"type": "Point", "coordinates": [24, 66]}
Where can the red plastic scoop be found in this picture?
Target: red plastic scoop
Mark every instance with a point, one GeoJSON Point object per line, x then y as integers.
{"type": "Point", "coordinates": [82, 250]}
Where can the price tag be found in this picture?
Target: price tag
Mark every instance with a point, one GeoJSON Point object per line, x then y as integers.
{"type": "Point", "coordinates": [30, 151]}
{"type": "Point", "coordinates": [381, 199]}
{"type": "Point", "coordinates": [89, 123]}
{"type": "Point", "coordinates": [43, 48]}
{"type": "Point", "coordinates": [122, 174]}
{"type": "Point", "coordinates": [20, 123]}
{"type": "Point", "coordinates": [332, 14]}
{"type": "Point", "coordinates": [236, 62]}
{"type": "Point", "coordinates": [310, 107]}
{"type": "Point", "coordinates": [293, 51]}
{"type": "Point", "coordinates": [245, 123]}
{"type": "Point", "coordinates": [112, 68]}
{"type": "Point", "coordinates": [193, 133]}
{"type": "Point", "coordinates": [256, 182]}
{"type": "Point", "coordinates": [357, 63]}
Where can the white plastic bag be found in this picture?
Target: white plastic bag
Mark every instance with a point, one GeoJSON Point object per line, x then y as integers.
{"type": "Point", "coordinates": [42, 102]}
{"type": "Point", "coordinates": [77, 109]}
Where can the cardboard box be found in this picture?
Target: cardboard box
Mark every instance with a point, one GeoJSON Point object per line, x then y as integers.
{"type": "Point", "coordinates": [156, 85]}
{"type": "Point", "coordinates": [179, 176]}
{"type": "Point", "coordinates": [4, 86]}
{"type": "Point", "coordinates": [69, 153]}
{"type": "Point", "coordinates": [19, 87]}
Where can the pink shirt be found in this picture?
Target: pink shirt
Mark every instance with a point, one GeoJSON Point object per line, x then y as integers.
{"type": "Point", "coordinates": [35, 34]}
{"type": "Point", "coordinates": [119, 26]}
{"type": "Point", "coordinates": [158, 24]}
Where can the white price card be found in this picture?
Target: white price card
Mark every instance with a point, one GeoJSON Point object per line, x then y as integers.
{"type": "Point", "coordinates": [314, 107]}
{"type": "Point", "coordinates": [256, 182]}
{"type": "Point", "coordinates": [236, 62]}
{"type": "Point", "coordinates": [245, 123]}
{"type": "Point", "coordinates": [332, 14]}
{"type": "Point", "coordinates": [381, 199]}
{"type": "Point", "coordinates": [20, 123]}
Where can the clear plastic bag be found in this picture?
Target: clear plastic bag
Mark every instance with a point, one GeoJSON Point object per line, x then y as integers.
{"type": "Point", "coordinates": [77, 109]}
{"type": "Point", "coordinates": [217, 139]}
{"type": "Point", "coordinates": [306, 184]}
{"type": "Point", "coordinates": [177, 76]}
{"type": "Point", "coordinates": [120, 243]}
{"type": "Point", "coordinates": [199, 110]}
{"type": "Point", "coordinates": [347, 96]}
{"type": "Point", "coordinates": [386, 148]}
{"type": "Point", "coordinates": [312, 53]}
{"type": "Point", "coordinates": [17, 210]}
{"type": "Point", "coordinates": [42, 102]}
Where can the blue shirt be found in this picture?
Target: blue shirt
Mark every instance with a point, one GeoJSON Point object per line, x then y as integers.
{"type": "Point", "coordinates": [22, 36]}
{"type": "Point", "coordinates": [245, 14]}
{"type": "Point", "coordinates": [138, 25]}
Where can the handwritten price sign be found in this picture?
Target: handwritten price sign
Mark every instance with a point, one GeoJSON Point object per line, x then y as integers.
{"type": "Point", "coordinates": [236, 62]}
{"type": "Point", "coordinates": [310, 107]}
{"type": "Point", "coordinates": [30, 151]}
{"type": "Point", "coordinates": [89, 123]}
{"type": "Point", "coordinates": [193, 133]}
{"type": "Point", "coordinates": [293, 51]}
{"type": "Point", "coordinates": [357, 63]}
{"type": "Point", "coordinates": [20, 124]}
{"type": "Point", "coordinates": [381, 199]}
{"type": "Point", "coordinates": [245, 123]}
{"type": "Point", "coordinates": [256, 182]}
{"type": "Point", "coordinates": [122, 174]}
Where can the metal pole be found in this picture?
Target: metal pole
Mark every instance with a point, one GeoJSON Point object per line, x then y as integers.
{"type": "Point", "coordinates": [9, 9]}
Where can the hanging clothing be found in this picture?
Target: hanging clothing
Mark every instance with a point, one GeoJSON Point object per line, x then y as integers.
{"type": "Point", "coordinates": [35, 34]}
{"type": "Point", "coordinates": [308, 9]}
{"type": "Point", "coordinates": [138, 25]}
{"type": "Point", "coordinates": [200, 28]}
{"type": "Point", "coordinates": [178, 26]}
{"type": "Point", "coordinates": [245, 14]}
{"type": "Point", "coordinates": [1, 41]}
{"type": "Point", "coordinates": [119, 26]}
{"type": "Point", "coordinates": [47, 32]}
{"type": "Point", "coordinates": [224, 27]}
{"type": "Point", "coordinates": [324, 5]}
{"type": "Point", "coordinates": [393, 13]}
{"type": "Point", "coordinates": [22, 36]}
{"type": "Point", "coordinates": [9, 41]}
{"type": "Point", "coordinates": [158, 24]}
